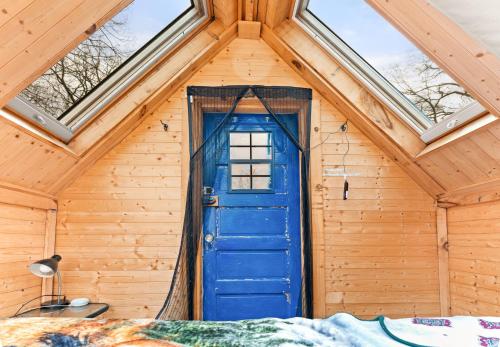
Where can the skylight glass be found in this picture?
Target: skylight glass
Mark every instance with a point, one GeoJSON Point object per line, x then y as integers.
{"type": "Point", "coordinates": [77, 74]}
{"type": "Point", "coordinates": [400, 62]}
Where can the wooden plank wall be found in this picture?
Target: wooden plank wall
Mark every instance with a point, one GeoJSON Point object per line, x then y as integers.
{"type": "Point", "coordinates": [474, 259]}
{"type": "Point", "coordinates": [22, 239]}
{"type": "Point", "coordinates": [119, 223]}
{"type": "Point", "coordinates": [381, 255]}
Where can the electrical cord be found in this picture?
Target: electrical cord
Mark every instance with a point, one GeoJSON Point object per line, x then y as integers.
{"type": "Point", "coordinates": [345, 192]}
{"type": "Point", "coordinates": [38, 297]}
{"type": "Point", "coordinates": [38, 308]}
{"type": "Point", "coordinates": [343, 126]}
{"type": "Point", "coordinates": [346, 128]}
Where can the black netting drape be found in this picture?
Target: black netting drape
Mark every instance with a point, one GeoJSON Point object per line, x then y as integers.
{"type": "Point", "coordinates": [278, 102]}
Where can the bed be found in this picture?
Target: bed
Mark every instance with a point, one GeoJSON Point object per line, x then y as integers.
{"type": "Point", "coordinates": [342, 329]}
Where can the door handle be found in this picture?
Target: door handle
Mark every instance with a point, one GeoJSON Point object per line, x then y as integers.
{"type": "Point", "coordinates": [209, 238]}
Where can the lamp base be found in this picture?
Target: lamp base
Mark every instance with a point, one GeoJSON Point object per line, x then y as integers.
{"type": "Point", "coordinates": [55, 304]}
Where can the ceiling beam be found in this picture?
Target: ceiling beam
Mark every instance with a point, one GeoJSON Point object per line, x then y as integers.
{"type": "Point", "coordinates": [12, 196]}
{"type": "Point", "coordinates": [481, 192]}
{"type": "Point", "coordinates": [226, 11]}
{"type": "Point", "coordinates": [277, 11]}
{"type": "Point", "coordinates": [463, 58]}
{"type": "Point", "coordinates": [35, 37]}
{"type": "Point", "coordinates": [325, 75]}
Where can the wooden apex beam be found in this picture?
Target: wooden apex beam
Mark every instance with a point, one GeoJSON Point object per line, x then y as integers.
{"type": "Point", "coordinates": [277, 11]}
{"type": "Point", "coordinates": [226, 11]}
{"type": "Point", "coordinates": [386, 130]}
{"type": "Point", "coordinates": [443, 269]}
{"type": "Point", "coordinates": [481, 192]}
{"type": "Point", "coordinates": [248, 29]}
{"type": "Point", "coordinates": [22, 198]}
{"type": "Point", "coordinates": [49, 248]}
{"type": "Point", "coordinates": [462, 57]}
{"type": "Point", "coordinates": [317, 214]}
{"type": "Point", "coordinates": [152, 91]}
{"type": "Point", "coordinates": [249, 10]}
{"type": "Point", "coordinates": [261, 11]}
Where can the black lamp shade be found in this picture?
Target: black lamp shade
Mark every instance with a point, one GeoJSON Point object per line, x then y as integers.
{"type": "Point", "coordinates": [46, 267]}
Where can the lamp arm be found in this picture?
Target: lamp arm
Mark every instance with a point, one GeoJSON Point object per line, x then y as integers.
{"type": "Point", "coordinates": [59, 287]}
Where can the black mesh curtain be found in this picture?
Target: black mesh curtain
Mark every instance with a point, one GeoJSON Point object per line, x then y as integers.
{"type": "Point", "coordinates": [205, 149]}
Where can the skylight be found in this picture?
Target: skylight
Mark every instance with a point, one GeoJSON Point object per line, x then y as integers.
{"type": "Point", "coordinates": [401, 63]}
{"type": "Point", "coordinates": [121, 46]}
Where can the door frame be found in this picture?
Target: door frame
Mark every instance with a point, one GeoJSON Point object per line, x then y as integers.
{"type": "Point", "coordinates": [248, 106]}
{"type": "Point", "coordinates": [244, 106]}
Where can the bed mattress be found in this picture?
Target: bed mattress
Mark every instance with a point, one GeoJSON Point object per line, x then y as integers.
{"type": "Point", "coordinates": [342, 329]}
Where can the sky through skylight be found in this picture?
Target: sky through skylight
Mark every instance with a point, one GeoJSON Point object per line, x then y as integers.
{"type": "Point", "coordinates": [392, 55]}
{"type": "Point", "coordinates": [85, 67]}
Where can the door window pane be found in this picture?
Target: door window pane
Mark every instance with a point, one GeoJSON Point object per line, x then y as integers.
{"type": "Point", "coordinates": [261, 139]}
{"type": "Point", "coordinates": [239, 139]}
{"type": "Point", "coordinates": [240, 153]}
{"type": "Point", "coordinates": [261, 152]}
{"type": "Point", "coordinates": [261, 169]}
{"type": "Point", "coordinates": [239, 183]}
{"type": "Point", "coordinates": [240, 169]}
{"type": "Point", "coordinates": [250, 156]}
{"type": "Point", "coordinates": [261, 182]}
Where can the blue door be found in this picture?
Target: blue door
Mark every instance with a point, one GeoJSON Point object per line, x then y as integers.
{"type": "Point", "coordinates": [251, 239]}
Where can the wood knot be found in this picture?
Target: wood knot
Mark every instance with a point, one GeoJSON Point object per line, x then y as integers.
{"type": "Point", "coordinates": [446, 246]}
{"type": "Point", "coordinates": [91, 29]}
{"type": "Point", "coordinates": [143, 110]}
{"type": "Point", "coordinates": [297, 64]}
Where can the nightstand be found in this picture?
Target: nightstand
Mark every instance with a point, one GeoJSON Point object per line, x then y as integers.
{"type": "Point", "coordinates": [91, 310]}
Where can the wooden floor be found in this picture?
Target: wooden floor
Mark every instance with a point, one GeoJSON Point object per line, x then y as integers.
{"type": "Point", "coordinates": [119, 224]}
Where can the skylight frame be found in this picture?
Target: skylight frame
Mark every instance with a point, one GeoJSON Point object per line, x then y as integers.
{"type": "Point", "coordinates": [378, 84]}
{"type": "Point", "coordinates": [361, 69]}
{"type": "Point", "coordinates": [87, 108]}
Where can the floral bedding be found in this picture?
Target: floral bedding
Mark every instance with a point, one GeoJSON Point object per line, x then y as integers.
{"type": "Point", "coordinates": [341, 329]}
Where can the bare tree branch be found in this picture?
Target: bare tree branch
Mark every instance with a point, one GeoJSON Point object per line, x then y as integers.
{"type": "Point", "coordinates": [428, 87]}
{"type": "Point", "coordinates": [75, 75]}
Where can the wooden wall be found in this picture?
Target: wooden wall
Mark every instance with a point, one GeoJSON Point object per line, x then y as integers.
{"type": "Point", "coordinates": [119, 223]}
{"type": "Point", "coordinates": [22, 240]}
{"type": "Point", "coordinates": [381, 255]}
{"type": "Point", "coordinates": [474, 259]}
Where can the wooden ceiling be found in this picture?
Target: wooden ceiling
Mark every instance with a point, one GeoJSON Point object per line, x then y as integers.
{"type": "Point", "coordinates": [35, 33]}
